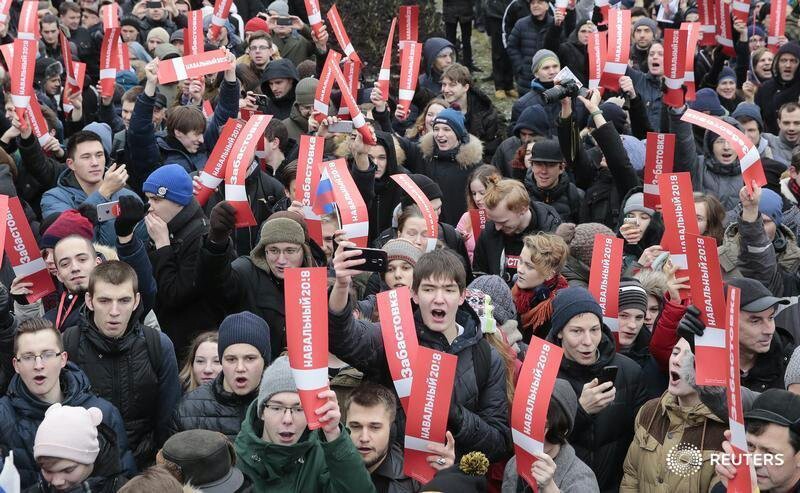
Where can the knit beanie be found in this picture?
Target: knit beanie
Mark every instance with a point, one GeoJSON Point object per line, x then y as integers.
{"type": "Point", "coordinates": [792, 374]}
{"type": "Point", "coordinates": [749, 110]}
{"type": "Point", "coordinates": [244, 328]}
{"type": "Point", "coordinates": [727, 73]}
{"type": "Point", "coordinates": [305, 91]}
{"type": "Point", "coordinates": [402, 249]}
{"type": "Point", "coordinates": [455, 120]}
{"type": "Point", "coordinates": [710, 137]}
{"type": "Point", "coordinates": [583, 242]}
{"type": "Point", "coordinates": [569, 303]}
{"type": "Point", "coordinates": [256, 24]}
{"type": "Point", "coordinates": [636, 151]}
{"type": "Point", "coordinates": [69, 222]}
{"type": "Point", "coordinates": [707, 101]}
{"type": "Point", "coordinates": [614, 114]}
{"type": "Point", "coordinates": [279, 7]}
{"type": "Point", "coordinates": [500, 293]}
{"type": "Point", "coordinates": [566, 398]}
{"type": "Point", "coordinates": [754, 30]}
{"type": "Point", "coordinates": [277, 378]}
{"type": "Point", "coordinates": [646, 22]}
{"type": "Point", "coordinates": [771, 204]}
{"type": "Point", "coordinates": [131, 21]}
{"type": "Point", "coordinates": [166, 51]}
{"type": "Point", "coordinates": [103, 130]}
{"type": "Point", "coordinates": [468, 475]}
{"type": "Point", "coordinates": [540, 57]}
{"type": "Point", "coordinates": [632, 295]}
{"type": "Point", "coordinates": [636, 203]}
{"type": "Point", "coordinates": [170, 182]}
{"type": "Point", "coordinates": [282, 230]}
{"type": "Point", "coordinates": [70, 433]}
{"type": "Point", "coordinates": [158, 33]}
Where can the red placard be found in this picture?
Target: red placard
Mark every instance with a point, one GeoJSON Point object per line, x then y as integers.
{"type": "Point", "coordinates": [314, 15]}
{"type": "Point", "coordinates": [74, 84]}
{"type": "Point", "coordinates": [22, 83]}
{"type": "Point", "coordinates": [604, 6]}
{"type": "Point", "coordinates": [308, 161]}
{"type": "Point", "coordinates": [724, 27]}
{"type": "Point", "coordinates": [604, 277]}
{"type": "Point", "coordinates": [322, 98]}
{"type": "Point", "coordinates": [123, 56]}
{"type": "Point", "coordinates": [307, 336]}
{"type": "Point", "coordinates": [680, 219]}
{"type": "Point", "coordinates": [341, 35]}
{"type": "Point", "coordinates": [597, 55]}
{"type": "Point", "coordinates": [777, 24]}
{"type": "Point", "coordinates": [238, 163]}
{"type": "Point", "coordinates": [410, 56]}
{"type": "Point", "coordinates": [109, 61]}
{"type": "Point", "coordinates": [109, 15]}
{"type": "Point", "coordinates": [659, 159]}
{"type": "Point", "coordinates": [28, 25]}
{"type": "Point", "coordinates": [386, 65]}
{"type": "Point", "coordinates": [222, 9]}
{"type": "Point", "coordinates": [708, 25]}
{"type": "Point", "coordinates": [399, 339]}
{"type": "Point", "coordinates": [740, 10]}
{"type": "Point", "coordinates": [193, 36]}
{"type": "Point", "coordinates": [214, 171]}
{"type": "Point", "coordinates": [619, 48]}
{"type": "Point", "coordinates": [23, 252]}
{"type": "Point", "coordinates": [692, 38]}
{"type": "Point", "coordinates": [66, 55]}
{"type": "Point", "coordinates": [419, 197]}
{"type": "Point", "coordinates": [674, 66]}
{"type": "Point", "coordinates": [37, 122]}
{"type": "Point", "coordinates": [359, 122]}
{"type": "Point", "coordinates": [352, 210]}
{"type": "Point", "coordinates": [428, 407]}
{"type": "Point", "coordinates": [749, 159]}
{"type": "Point", "coordinates": [192, 66]}
{"type": "Point", "coordinates": [531, 401]}
{"type": "Point", "coordinates": [705, 278]}
{"type": "Point", "coordinates": [478, 219]}
{"type": "Point", "coordinates": [351, 71]}
{"type": "Point", "coordinates": [409, 24]}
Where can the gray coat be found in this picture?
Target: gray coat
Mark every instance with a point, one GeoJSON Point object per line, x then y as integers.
{"type": "Point", "coordinates": [572, 474]}
{"type": "Point", "coordinates": [781, 150]}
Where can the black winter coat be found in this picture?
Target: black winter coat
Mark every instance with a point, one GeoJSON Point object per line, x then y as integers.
{"type": "Point", "coordinates": [485, 122]}
{"type": "Point", "coordinates": [776, 91]}
{"type": "Point", "coordinates": [457, 10]}
{"type": "Point", "coordinates": [770, 367]}
{"type": "Point", "coordinates": [571, 53]}
{"type": "Point", "coordinates": [565, 197]}
{"type": "Point", "coordinates": [527, 37]}
{"type": "Point", "coordinates": [211, 407]}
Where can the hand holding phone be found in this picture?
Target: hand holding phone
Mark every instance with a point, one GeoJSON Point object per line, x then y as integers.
{"type": "Point", "coordinates": [608, 374]}
{"type": "Point", "coordinates": [108, 211]}
{"type": "Point", "coordinates": [376, 260]}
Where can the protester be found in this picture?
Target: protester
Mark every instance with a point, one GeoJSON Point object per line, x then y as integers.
{"type": "Point", "coordinates": [202, 361]}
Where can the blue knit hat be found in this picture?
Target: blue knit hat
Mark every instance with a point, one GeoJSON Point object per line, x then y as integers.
{"type": "Point", "coordinates": [754, 30]}
{"type": "Point", "coordinates": [751, 111]}
{"type": "Point", "coordinates": [244, 328]}
{"type": "Point", "coordinates": [455, 120]}
{"type": "Point", "coordinates": [569, 303]}
{"type": "Point", "coordinates": [727, 73]}
{"type": "Point", "coordinates": [171, 182]}
{"type": "Point", "coordinates": [771, 204]}
{"type": "Point", "coordinates": [707, 100]}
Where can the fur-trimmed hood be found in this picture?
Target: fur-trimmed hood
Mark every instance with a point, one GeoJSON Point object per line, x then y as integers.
{"type": "Point", "coordinates": [468, 154]}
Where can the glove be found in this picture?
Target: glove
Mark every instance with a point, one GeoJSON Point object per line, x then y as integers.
{"type": "Point", "coordinates": [221, 222]}
{"type": "Point", "coordinates": [691, 325]}
{"type": "Point", "coordinates": [131, 212]}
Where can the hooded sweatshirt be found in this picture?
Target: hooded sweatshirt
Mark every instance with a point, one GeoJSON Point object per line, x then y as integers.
{"type": "Point", "coordinates": [431, 79]}
{"type": "Point", "coordinates": [280, 107]}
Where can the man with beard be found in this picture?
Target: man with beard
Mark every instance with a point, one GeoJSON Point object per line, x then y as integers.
{"type": "Point", "coordinates": [278, 83]}
{"type": "Point", "coordinates": [782, 88]}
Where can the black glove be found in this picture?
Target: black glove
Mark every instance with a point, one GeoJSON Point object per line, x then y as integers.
{"type": "Point", "coordinates": [221, 222]}
{"type": "Point", "coordinates": [691, 325]}
{"type": "Point", "coordinates": [131, 211]}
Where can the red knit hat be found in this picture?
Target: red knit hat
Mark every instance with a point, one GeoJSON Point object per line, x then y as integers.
{"type": "Point", "coordinates": [256, 24]}
{"type": "Point", "coordinates": [70, 222]}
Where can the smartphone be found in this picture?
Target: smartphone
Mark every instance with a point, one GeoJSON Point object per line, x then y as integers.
{"type": "Point", "coordinates": [608, 374]}
{"type": "Point", "coordinates": [376, 259]}
{"type": "Point", "coordinates": [154, 5]}
{"type": "Point", "coordinates": [341, 127]}
{"type": "Point", "coordinates": [283, 21]}
{"type": "Point", "coordinates": [107, 211]}
{"type": "Point", "coordinates": [630, 220]}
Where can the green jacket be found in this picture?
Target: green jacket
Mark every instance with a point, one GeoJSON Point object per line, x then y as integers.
{"type": "Point", "coordinates": [312, 465]}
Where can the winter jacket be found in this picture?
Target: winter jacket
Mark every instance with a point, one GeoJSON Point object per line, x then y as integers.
{"type": "Point", "coordinates": [572, 475]}
{"type": "Point", "coordinates": [648, 87]}
{"type": "Point", "coordinates": [484, 409]}
{"type": "Point", "coordinates": [665, 331]}
{"type": "Point", "coordinates": [494, 250]}
{"type": "Point", "coordinates": [36, 172]}
{"type": "Point", "coordinates": [295, 124]}
{"type": "Point", "coordinates": [283, 68]}
{"type": "Point", "coordinates": [211, 407]}
{"type": "Point", "coordinates": [389, 477]}
{"type": "Point", "coordinates": [311, 464]}
{"type": "Point", "coordinates": [601, 440]}
{"type": "Point", "coordinates": [564, 197]}
{"type": "Point", "coordinates": [68, 194]}
{"type": "Point", "coordinates": [527, 37]}
{"type": "Point", "coordinates": [770, 367]}
{"type": "Point", "coordinates": [21, 413]}
{"type": "Point", "coordinates": [484, 121]}
{"type": "Point", "coordinates": [776, 92]}
{"type": "Point", "coordinates": [661, 425]}
{"type": "Point", "coordinates": [296, 47]}
{"type": "Point", "coordinates": [451, 170]}
{"type": "Point", "coordinates": [563, 41]}
{"type": "Point", "coordinates": [457, 10]}
{"type": "Point", "coordinates": [431, 80]}
{"type": "Point", "coordinates": [654, 380]}
{"type": "Point", "coordinates": [780, 147]}
{"type": "Point", "coordinates": [532, 97]}
{"type": "Point", "coordinates": [122, 370]}
{"type": "Point", "coordinates": [576, 272]}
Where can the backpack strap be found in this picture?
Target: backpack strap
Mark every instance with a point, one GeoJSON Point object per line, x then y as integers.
{"type": "Point", "coordinates": [153, 339]}
{"type": "Point", "coordinates": [481, 361]}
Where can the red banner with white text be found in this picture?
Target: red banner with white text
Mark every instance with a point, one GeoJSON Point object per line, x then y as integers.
{"type": "Point", "coordinates": [409, 25]}
{"type": "Point", "coordinates": [659, 159]}
{"type": "Point", "coordinates": [674, 66]}
{"type": "Point", "coordinates": [192, 66]}
{"type": "Point", "coordinates": [222, 9]}
{"type": "Point", "coordinates": [23, 252]}
{"type": "Point", "coordinates": [322, 98]}
{"type": "Point", "coordinates": [428, 213]}
{"type": "Point", "coordinates": [340, 34]}
{"type": "Point", "coordinates": [680, 219]}
{"type": "Point", "coordinates": [308, 161]}
{"type": "Point", "coordinates": [410, 56]}
{"type": "Point", "coordinates": [604, 277]}
{"type": "Point", "coordinates": [597, 55]}
{"type": "Point", "coordinates": [193, 35]}
{"type": "Point", "coordinates": [214, 171]}
{"type": "Point", "coordinates": [618, 48]}
{"type": "Point", "coordinates": [352, 210]}
{"type": "Point", "coordinates": [692, 39]}
{"type": "Point", "coordinates": [399, 339]}
{"type": "Point", "coordinates": [314, 15]}
{"type": "Point", "coordinates": [239, 160]}
{"type": "Point", "coordinates": [384, 75]}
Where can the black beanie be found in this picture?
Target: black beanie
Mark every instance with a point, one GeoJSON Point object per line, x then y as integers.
{"type": "Point", "coordinates": [569, 303]}
{"type": "Point", "coordinates": [429, 187]}
{"type": "Point", "coordinates": [244, 328]}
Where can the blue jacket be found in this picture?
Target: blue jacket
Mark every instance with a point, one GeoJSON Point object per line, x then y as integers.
{"type": "Point", "coordinates": [149, 150]}
{"type": "Point", "coordinates": [68, 194]}
{"type": "Point", "coordinates": [21, 414]}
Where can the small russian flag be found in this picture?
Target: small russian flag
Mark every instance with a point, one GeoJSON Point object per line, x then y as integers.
{"type": "Point", "coordinates": [324, 200]}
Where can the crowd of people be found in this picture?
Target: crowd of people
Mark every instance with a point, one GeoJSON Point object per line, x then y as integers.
{"type": "Point", "coordinates": [159, 363]}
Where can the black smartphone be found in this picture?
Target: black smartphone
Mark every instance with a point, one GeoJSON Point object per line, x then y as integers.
{"type": "Point", "coordinates": [154, 5]}
{"type": "Point", "coordinates": [262, 100]}
{"type": "Point", "coordinates": [376, 259]}
{"type": "Point", "coordinates": [608, 374]}
{"type": "Point", "coordinates": [283, 21]}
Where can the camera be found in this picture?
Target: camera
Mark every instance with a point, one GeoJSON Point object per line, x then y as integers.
{"type": "Point", "coordinates": [567, 88]}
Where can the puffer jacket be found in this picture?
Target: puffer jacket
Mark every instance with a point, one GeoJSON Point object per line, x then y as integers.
{"type": "Point", "coordinates": [121, 371]}
{"type": "Point", "coordinates": [431, 80]}
{"type": "Point", "coordinates": [211, 407]}
{"type": "Point", "coordinates": [601, 440]}
{"type": "Point", "coordinates": [527, 37]}
{"type": "Point", "coordinates": [21, 414]}
{"type": "Point", "coordinates": [661, 425]}
{"type": "Point", "coordinates": [311, 464]}
{"type": "Point", "coordinates": [564, 197]}
{"type": "Point", "coordinates": [484, 424]}
{"type": "Point", "coordinates": [451, 170]}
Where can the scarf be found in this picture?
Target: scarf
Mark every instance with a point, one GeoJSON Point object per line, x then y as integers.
{"type": "Point", "coordinates": [535, 306]}
{"type": "Point", "coordinates": [794, 188]}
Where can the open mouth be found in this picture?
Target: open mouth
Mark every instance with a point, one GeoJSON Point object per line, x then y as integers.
{"type": "Point", "coordinates": [586, 354]}
{"type": "Point", "coordinates": [674, 377]}
{"type": "Point", "coordinates": [364, 450]}
{"type": "Point", "coordinates": [39, 379]}
{"type": "Point", "coordinates": [438, 315]}
{"type": "Point", "coordinates": [727, 155]}
{"type": "Point", "coordinates": [240, 381]}
{"type": "Point", "coordinates": [286, 436]}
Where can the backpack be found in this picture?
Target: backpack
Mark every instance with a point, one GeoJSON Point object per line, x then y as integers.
{"type": "Point", "coordinates": [72, 341]}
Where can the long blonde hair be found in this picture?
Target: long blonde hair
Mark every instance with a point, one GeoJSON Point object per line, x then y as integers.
{"type": "Point", "coordinates": [186, 375]}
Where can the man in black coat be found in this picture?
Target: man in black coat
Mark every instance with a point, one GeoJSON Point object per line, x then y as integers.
{"type": "Point", "coordinates": [784, 86]}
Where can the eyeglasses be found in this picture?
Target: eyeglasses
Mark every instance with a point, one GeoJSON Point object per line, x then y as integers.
{"type": "Point", "coordinates": [46, 357]}
{"type": "Point", "coordinates": [260, 48]}
{"type": "Point", "coordinates": [288, 252]}
{"type": "Point", "coordinates": [281, 410]}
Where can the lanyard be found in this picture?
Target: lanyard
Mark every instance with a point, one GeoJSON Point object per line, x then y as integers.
{"type": "Point", "coordinates": [61, 307]}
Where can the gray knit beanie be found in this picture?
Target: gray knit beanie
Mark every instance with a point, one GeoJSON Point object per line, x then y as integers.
{"type": "Point", "coordinates": [632, 295]}
{"type": "Point", "coordinates": [565, 396]}
{"type": "Point", "coordinates": [244, 328]}
{"type": "Point", "coordinates": [539, 58]}
{"type": "Point", "coordinates": [792, 374]}
{"type": "Point", "coordinates": [282, 230]}
{"type": "Point", "coordinates": [277, 378]}
{"type": "Point", "coordinates": [582, 243]}
{"type": "Point", "coordinates": [402, 249]}
{"type": "Point", "coordinates": [500, 293]}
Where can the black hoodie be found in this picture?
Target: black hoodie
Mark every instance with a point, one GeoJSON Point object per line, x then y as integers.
{"type": "Point", "coordinates": [776, 91]}
{"type": "Point", "coordinates": [387, 192]}
{"type": "Point", "coordinates": [279, 108]}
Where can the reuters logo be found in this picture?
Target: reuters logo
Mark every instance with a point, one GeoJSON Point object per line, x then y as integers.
{"type": "Point", "coordinates": [684, 459]}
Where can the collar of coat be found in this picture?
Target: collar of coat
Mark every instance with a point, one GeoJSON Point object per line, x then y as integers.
{"type": "Point", "coordinates": [468, 154]}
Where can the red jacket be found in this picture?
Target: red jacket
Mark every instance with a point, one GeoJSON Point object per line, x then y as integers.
{"type": "Point", "coordinates": [665, 331]}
